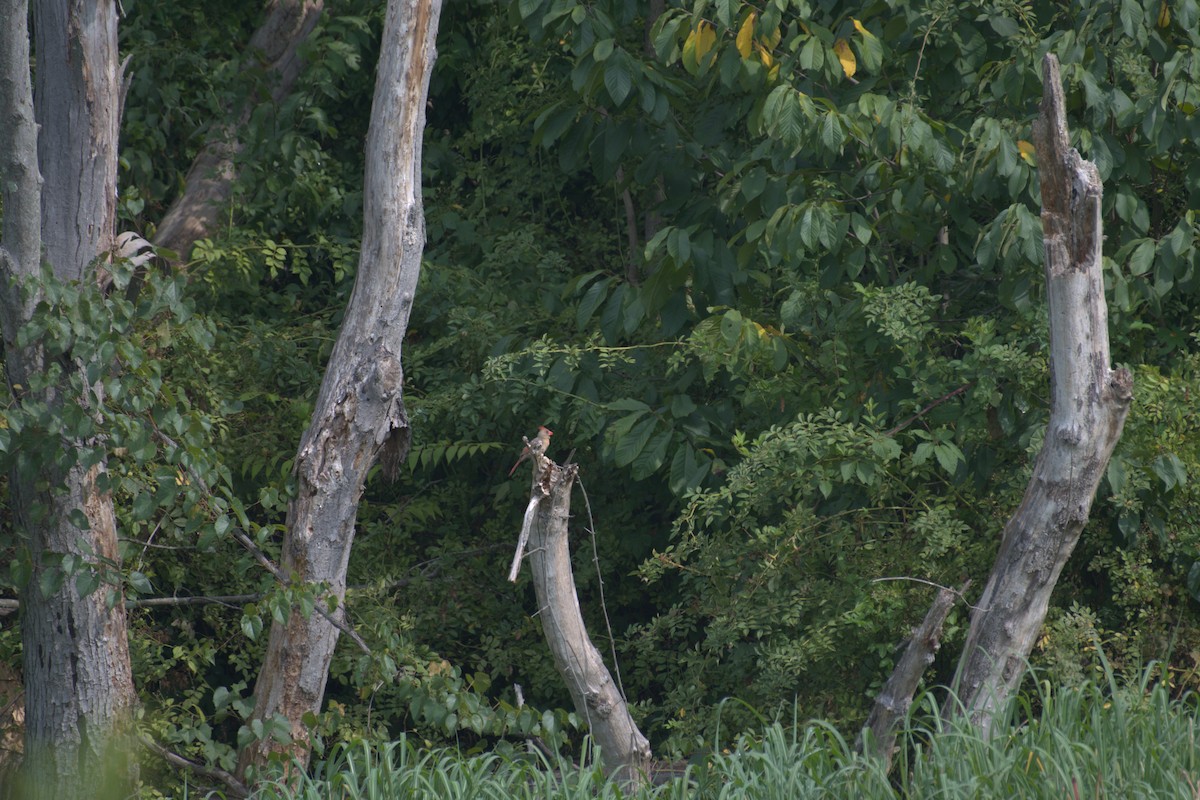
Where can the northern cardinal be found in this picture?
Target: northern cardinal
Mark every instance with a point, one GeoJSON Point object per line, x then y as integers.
{"type": "Point", "coordinates": [536, 447]}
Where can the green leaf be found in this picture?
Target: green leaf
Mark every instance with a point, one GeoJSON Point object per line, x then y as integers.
{"type": "Point", "coordinates": [831, 131]}
{"type": "Point", "coordinates": [552, 123]}
{"type": "Point", "coordinates": [652, 456]}
{"type": "Point", "coordinates": [753, 183]}
{"type": "Point", "coordinates": [1116, 475]}
{"type": "Point", "coordinates": [51, 580]}
{"type": "Point", "coordinates": [627, 404]}
{"type": "Point", "coordinates": [618, 77]}
{"type": "Point", "coordinates": [1142, 258]}
{"type": "Point", "coordinates": [602, 50]}
{"type": "Point", "coordinates": [630, 446]}
{"type": "Point", "coordinates": [1170, 471]}
{"type": "Point", "coordinates": [886, 448]}
{"type": "Point", "coordinates": [140, 583]}
{"type": "Point", "coordinates": [812, 56]}
{"type": "Point", "coordinates": [252, 625]}
{"type": "Point", "coordinates": [592, 299]}
{"type": "Point", "coordinates": [948, 456]}
{"type": "Point", "coordinates": [87, 582]}
{"type": "Point", "coordinates": [1131, 17]}
{"type": "Point", "coordinates": [1006, 27]}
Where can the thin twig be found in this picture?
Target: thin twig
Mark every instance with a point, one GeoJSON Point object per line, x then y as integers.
{"type": "Point", "coordinates": [261, 557]}
{"type": "Point", "coordinates": [957, 592]}
{"type": "Point", "coordinates": [928, 408]}
{"type": "Point", "coordinates": [612, 642]}
{"type": "Point", "coordinates": [236, 787]}
{"type": "Point", "coordinates": [428, 570]}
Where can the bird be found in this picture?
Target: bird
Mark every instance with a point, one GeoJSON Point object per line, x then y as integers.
{"type": "Point", "coordinates": [535, 447]}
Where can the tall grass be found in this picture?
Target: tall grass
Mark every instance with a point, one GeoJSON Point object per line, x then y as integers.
{"type": "Point", "coordinates": [1064, 744]}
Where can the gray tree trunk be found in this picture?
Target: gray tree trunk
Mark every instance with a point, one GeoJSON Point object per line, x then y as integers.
{"type": "Point", "coordinates": [359, 417]}
{"type": "Point", "coordinates": [196, 213]}
{"type": "Point", "coordinates": [624, 750]}
{"type": "Point", "coordinates": [1088, 405]}
{"type": "Point", "coordinates": [877, 738]}
{"type": "Point", "coordinates": [78, 686]}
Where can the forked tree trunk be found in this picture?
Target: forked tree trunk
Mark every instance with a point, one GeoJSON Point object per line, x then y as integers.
{"type": "Point", "coordinates": [1088, 404]}
{"type": "Point", "coordinates": [624, 751]}
{"type": "Point", "coordinates": [359, 417]}
{"type": "Point", "coordinates": [78, 686]}
{"type": "Point", "coordinates": [196, 213]}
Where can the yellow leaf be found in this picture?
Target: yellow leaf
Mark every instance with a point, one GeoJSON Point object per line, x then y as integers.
{"type": "Point", "coordinates": [771, 40]}
{"type": "Point", "coordinates": [858, 26]}
{"type": "Point", "coordinates": [846, 56]}
{"type": "Point", "coordinates": [1027, 151]}
{"type": "Point", "coordinates": [764, 56]}
{"type": "Point", "coordinates": [1164, 15]}
{"type": "Point", "coordinates": [706, 37]}
{"type": "Point", "coordinates": [689, 53]}
{"type": "Point", "coordinates": [745, 36]}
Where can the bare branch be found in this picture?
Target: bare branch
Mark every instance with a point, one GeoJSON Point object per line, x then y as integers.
{"type": "Point", "coordinates": [878, 734]}
{"type": "Point", "coordinates": [236, 788]}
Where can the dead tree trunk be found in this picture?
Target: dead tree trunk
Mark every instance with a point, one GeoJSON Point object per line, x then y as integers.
{"type": "Point", "coordinates": [1088, 405]}
{"type": "Point", "coordinates": [359, 417]}
{"type": "Point", "coordinates": [78, 685]}
{"type": "Point", "coordinates": [878, 735]}
{"type": "Point", "coordinates": [209, 186]}
{"type": "Point", "coordinates": [623, 748]}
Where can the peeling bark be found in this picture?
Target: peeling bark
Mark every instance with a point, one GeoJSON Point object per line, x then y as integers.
{"type": "Point", "coordinates": [359, 417]}
{"type": "Point", "coordinates": [1089, 402]}
{"type": "Point", "coordinates": [624, 750]}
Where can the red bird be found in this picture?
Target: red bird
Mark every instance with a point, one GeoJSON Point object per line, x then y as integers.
{"type": "Point", "coordinates": [536, 447]}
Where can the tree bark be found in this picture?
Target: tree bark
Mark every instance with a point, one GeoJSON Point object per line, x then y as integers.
{"type": "Point", "coordinates": [196, 213]}
{"type": "Point", "coordinates": [78, 684]}
{"type": "Point", "coordinates": [624, 750]}
{"type": "Point", "coordinates": [1089, 402]}
{"type": "Point", "coordinates": [878, 735]}
{"type": "Point", "coordinates": [359, 416]}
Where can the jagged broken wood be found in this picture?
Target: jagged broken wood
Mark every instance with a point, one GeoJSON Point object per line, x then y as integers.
{"type": "Point", "coordinates": [624, 751]}
{"type": "Point", "coordinates": [535, 499]}
{"type": "Point", "coordinates": [878, 735]}
{"type": "Point", "coordinates": [1088, 405]}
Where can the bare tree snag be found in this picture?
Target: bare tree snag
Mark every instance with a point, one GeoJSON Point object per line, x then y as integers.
{"type": "Point", "coordinates": [209, 185]}
{"type": "Point", "coordinates": [359, 417]}
{"type": "Point", "coordinates": [1088, 405]}
{"type": "Point", "coordinates": [78, 685]}
{"type": "Point", "coordinates": [878, 736]}
{"type": "Point", "coordinates": [624, 750]}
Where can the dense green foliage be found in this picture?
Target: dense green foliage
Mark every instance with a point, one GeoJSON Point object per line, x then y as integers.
{"type": "Point", "coordinates": [1087, 742]}
{"type": "Point", "coordinates": [808, 378]}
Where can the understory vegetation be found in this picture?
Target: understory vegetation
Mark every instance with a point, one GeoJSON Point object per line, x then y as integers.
{"type": "Point", "coordinates": [1093, 740]}
{"type": "Point", "coordinates": [772, 273]}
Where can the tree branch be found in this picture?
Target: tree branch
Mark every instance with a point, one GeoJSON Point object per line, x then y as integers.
{"type": "Point", "coordinates": [236, 788]}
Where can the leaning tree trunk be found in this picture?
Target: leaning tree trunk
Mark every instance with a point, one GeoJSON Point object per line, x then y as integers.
{"type": "Point", "coordinates": [78, 686]}
{"type": "Point", "coordinates": [209, 186]}
{"type": "Point", "coordinates": [1088, 404]}
{"type": "Point", "coordinates": [624, 750]}
{"type": "Point", "coordinates": [359, 417]}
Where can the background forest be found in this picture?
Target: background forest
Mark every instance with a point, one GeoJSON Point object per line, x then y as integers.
{"type": "Point", "coordinates": [770, 271]}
